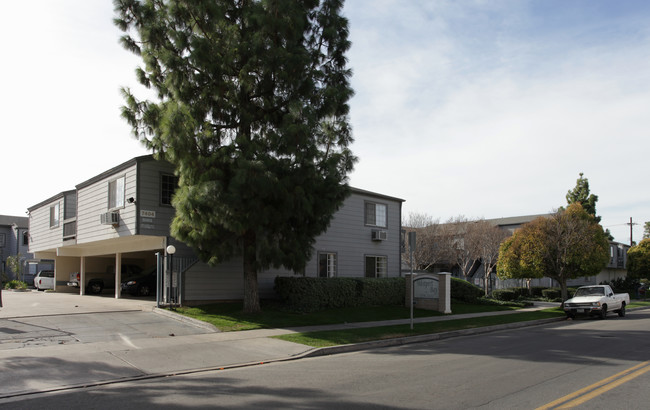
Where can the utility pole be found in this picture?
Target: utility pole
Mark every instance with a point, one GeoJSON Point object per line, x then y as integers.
{"type": "Point", "coordinates": [631, 225]}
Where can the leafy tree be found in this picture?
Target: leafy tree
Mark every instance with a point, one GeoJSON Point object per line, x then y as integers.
{"type": "Point", "coordinates": [14, 263]}
{"type": "Point", "coordinates": [638, 260]}
{"type": "Point", "coordinates": [252, 111]}
{"type": "Point", "coordinates": [646, 230]}
{"type": "Point", "coordinates": [567, 245]}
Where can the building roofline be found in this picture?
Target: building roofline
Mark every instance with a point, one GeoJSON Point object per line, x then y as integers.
{"type": "Point", "coordinates": [50, 199]}
{"type": "Point", "coordinates": [375, 194]}
{"type": "Point", "coordinates": [116, 169]}
{"type": "Point", "coordinates": [10, 220]}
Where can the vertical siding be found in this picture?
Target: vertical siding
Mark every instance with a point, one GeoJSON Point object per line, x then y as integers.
{"type": "Point", "coordinates": [92, 201]}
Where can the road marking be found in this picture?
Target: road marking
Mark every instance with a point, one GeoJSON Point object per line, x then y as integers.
{"type": "Point", "coordinates": [583, 395]}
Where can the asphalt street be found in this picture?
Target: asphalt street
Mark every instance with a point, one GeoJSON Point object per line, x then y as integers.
{"type": "Point", "coordinates": [585, 364]}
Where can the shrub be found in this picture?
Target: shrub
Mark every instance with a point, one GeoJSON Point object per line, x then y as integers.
{"type": "Point", "coordinates": [465, 291]}
{"type": "Point", "coordinates": [15, 284]}
{"type": "Point", "coordinates": [552, 294]}
{"type": "Point", "coordinates": [493, 302]}
{"type": "Point", "coordinates": [504, 294]}
{"type": "Point", "coordinates": [623, 285]}
{"type": "Point", "coordinates": [536, 291]}
{"type": "Point", "coordinates": [313, 294]}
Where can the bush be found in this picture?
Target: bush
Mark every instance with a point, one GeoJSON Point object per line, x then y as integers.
{"type": "Point", "coordinates": [464, 291]}
{"type": "Point", "coordinates": [304, 294]}
{"type": "Point", "coordinates": [536, 291]}
{"type": "Point", "coordinates": [552, 294]}
{"type": "Point", "coordinates": [504, 294]}
{"type": "Point", "coordinates": [15, 284]}
{"type": "Point", "coordinates": [623, 285]}
{"type": "Point", "coordinates": [494, 302]}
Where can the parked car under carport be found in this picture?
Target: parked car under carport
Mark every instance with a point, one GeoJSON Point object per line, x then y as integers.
{"type": "Point", "coordinates": [142, 285]}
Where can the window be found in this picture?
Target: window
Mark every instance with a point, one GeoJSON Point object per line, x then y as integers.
{"type": "Point", "coordinates": [25, 238]}
{"type": "Point", "coordinates": [375, 214]}
{"type": "Point", "coordinates": [326, 265]}
{"type": "Point", "coordinates": [168, 184]}
{"type": "Point", "coordinates": [54, 215]}
{"type": "Point", "coordinates": [3, 240]}
{"type": "Point", "coordinates": [376, 267]}
{"type": "Point", "coordinates": [116, 193]}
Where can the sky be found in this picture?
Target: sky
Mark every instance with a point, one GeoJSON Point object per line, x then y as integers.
{"type": "Point", "coordinates": [485, 109]}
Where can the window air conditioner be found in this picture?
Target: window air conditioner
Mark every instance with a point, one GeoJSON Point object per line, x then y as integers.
{"type": "Point", "coordinates": [378, 235]}
{"type": "Point", "coordinates": [110, 218]}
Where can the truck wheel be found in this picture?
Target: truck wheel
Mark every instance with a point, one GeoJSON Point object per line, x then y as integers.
{"type": "Point", "coordinates": [603, 312]}
{"type": "Point", "coordinates": [95, 287]}
{"type": "Point", "coordinates": [621, 311]}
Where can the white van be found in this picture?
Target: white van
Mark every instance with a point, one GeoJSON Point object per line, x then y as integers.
{"type": "Point", "coordinates": [44, 280]}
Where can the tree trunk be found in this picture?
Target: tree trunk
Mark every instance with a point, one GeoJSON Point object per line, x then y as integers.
{"type": "Point", "coordinates": [251, 291]}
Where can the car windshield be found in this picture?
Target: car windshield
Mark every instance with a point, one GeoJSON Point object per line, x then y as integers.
{"type": "Point", "coordinates": [590, 292]}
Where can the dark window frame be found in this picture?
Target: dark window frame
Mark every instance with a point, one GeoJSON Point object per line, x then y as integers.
{"type": "Point", "coordinates": [166, 181]}
{"type": "Point", "coordinates": [327, 271]}
{"type": "Point", "coordinates": [371, 214]}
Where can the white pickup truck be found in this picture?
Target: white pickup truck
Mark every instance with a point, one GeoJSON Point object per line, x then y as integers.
{"type": "Point", "coordinates": [596, 300]}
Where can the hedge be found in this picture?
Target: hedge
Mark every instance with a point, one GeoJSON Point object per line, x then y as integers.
{"type": "Point", "coordinates": [464, 291]}
{"type": "Point", "coordinates": [305, 294]}
{"type": "Point", "coordinates": [505, 294]}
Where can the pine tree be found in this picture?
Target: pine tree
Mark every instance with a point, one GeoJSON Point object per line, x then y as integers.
{"type": "Point", "coordinates": [252, 111]}
{"type": "Point", "coordinates": [580, 194]}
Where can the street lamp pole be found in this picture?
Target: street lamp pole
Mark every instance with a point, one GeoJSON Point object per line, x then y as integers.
{"type": "Point", "coordinates": [171, 250]}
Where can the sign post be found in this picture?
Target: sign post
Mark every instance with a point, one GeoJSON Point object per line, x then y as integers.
{"type": "Point", "coordinates": [411, 250]}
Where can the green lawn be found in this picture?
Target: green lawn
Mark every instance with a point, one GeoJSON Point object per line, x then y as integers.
{"type": "Point", "coordinates": [229, 317]}
{"type": "Point", "coordinates": [348, 336]}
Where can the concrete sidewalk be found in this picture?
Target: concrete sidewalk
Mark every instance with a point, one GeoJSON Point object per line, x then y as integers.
{"type": "Point", "coordinates": [34, 369]}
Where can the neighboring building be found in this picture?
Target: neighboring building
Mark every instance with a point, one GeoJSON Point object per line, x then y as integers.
{"type": "Point", "coordinates": [14, 238]}
{"type": "Point", "coordinates": [616, 268]}
{"type": "Point", "coordinates": [122, 216]}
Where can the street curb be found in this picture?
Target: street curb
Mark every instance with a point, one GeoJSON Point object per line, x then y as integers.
{"type": "Point", "coordinates": [325, 351]}
{"type": "Point", "coordinates": [316, 352]}
{"type": "Point", "coordinates": [186, 320]}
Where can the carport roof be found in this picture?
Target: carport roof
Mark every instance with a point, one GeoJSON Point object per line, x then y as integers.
{"type": "Point", "coordinates": [126, 244]}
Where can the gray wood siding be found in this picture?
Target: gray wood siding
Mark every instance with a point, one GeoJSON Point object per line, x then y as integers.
{"type": "Point", "coordinates": [92, 201]}
{"type": "Point", "coordinates": [42, 237]}
{"type": "Point", "coordinates": [351, 239]}
{"type": "Point", "coordinates": [149, 183]}
{"type": "Point", "coordinates": [222, 282]}
{"type": "Point", "coordinates": [347, 236]}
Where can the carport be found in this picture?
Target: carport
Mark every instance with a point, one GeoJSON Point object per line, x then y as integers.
{"type": "Point", "coordinates": [97, 256]}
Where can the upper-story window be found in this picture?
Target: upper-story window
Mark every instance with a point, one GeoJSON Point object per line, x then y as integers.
{"type": "Point", "coordinates": [54, 215]}
{"type": "Point", "coordinates": [375, 214]}
{"type": "Point", "coordinates": [168, 184]}
{"type": "Point", "coordinates": [3, 240]}
{"type": "Point", "coordinates": [116, 193]}
{"type": "Point", "coordinates": [25, 238]}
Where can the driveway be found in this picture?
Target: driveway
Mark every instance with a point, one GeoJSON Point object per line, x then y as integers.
{"type": "Point", "coordinates": [30, 319]}
{"type": "Point", "coordinates": [54, 341]}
